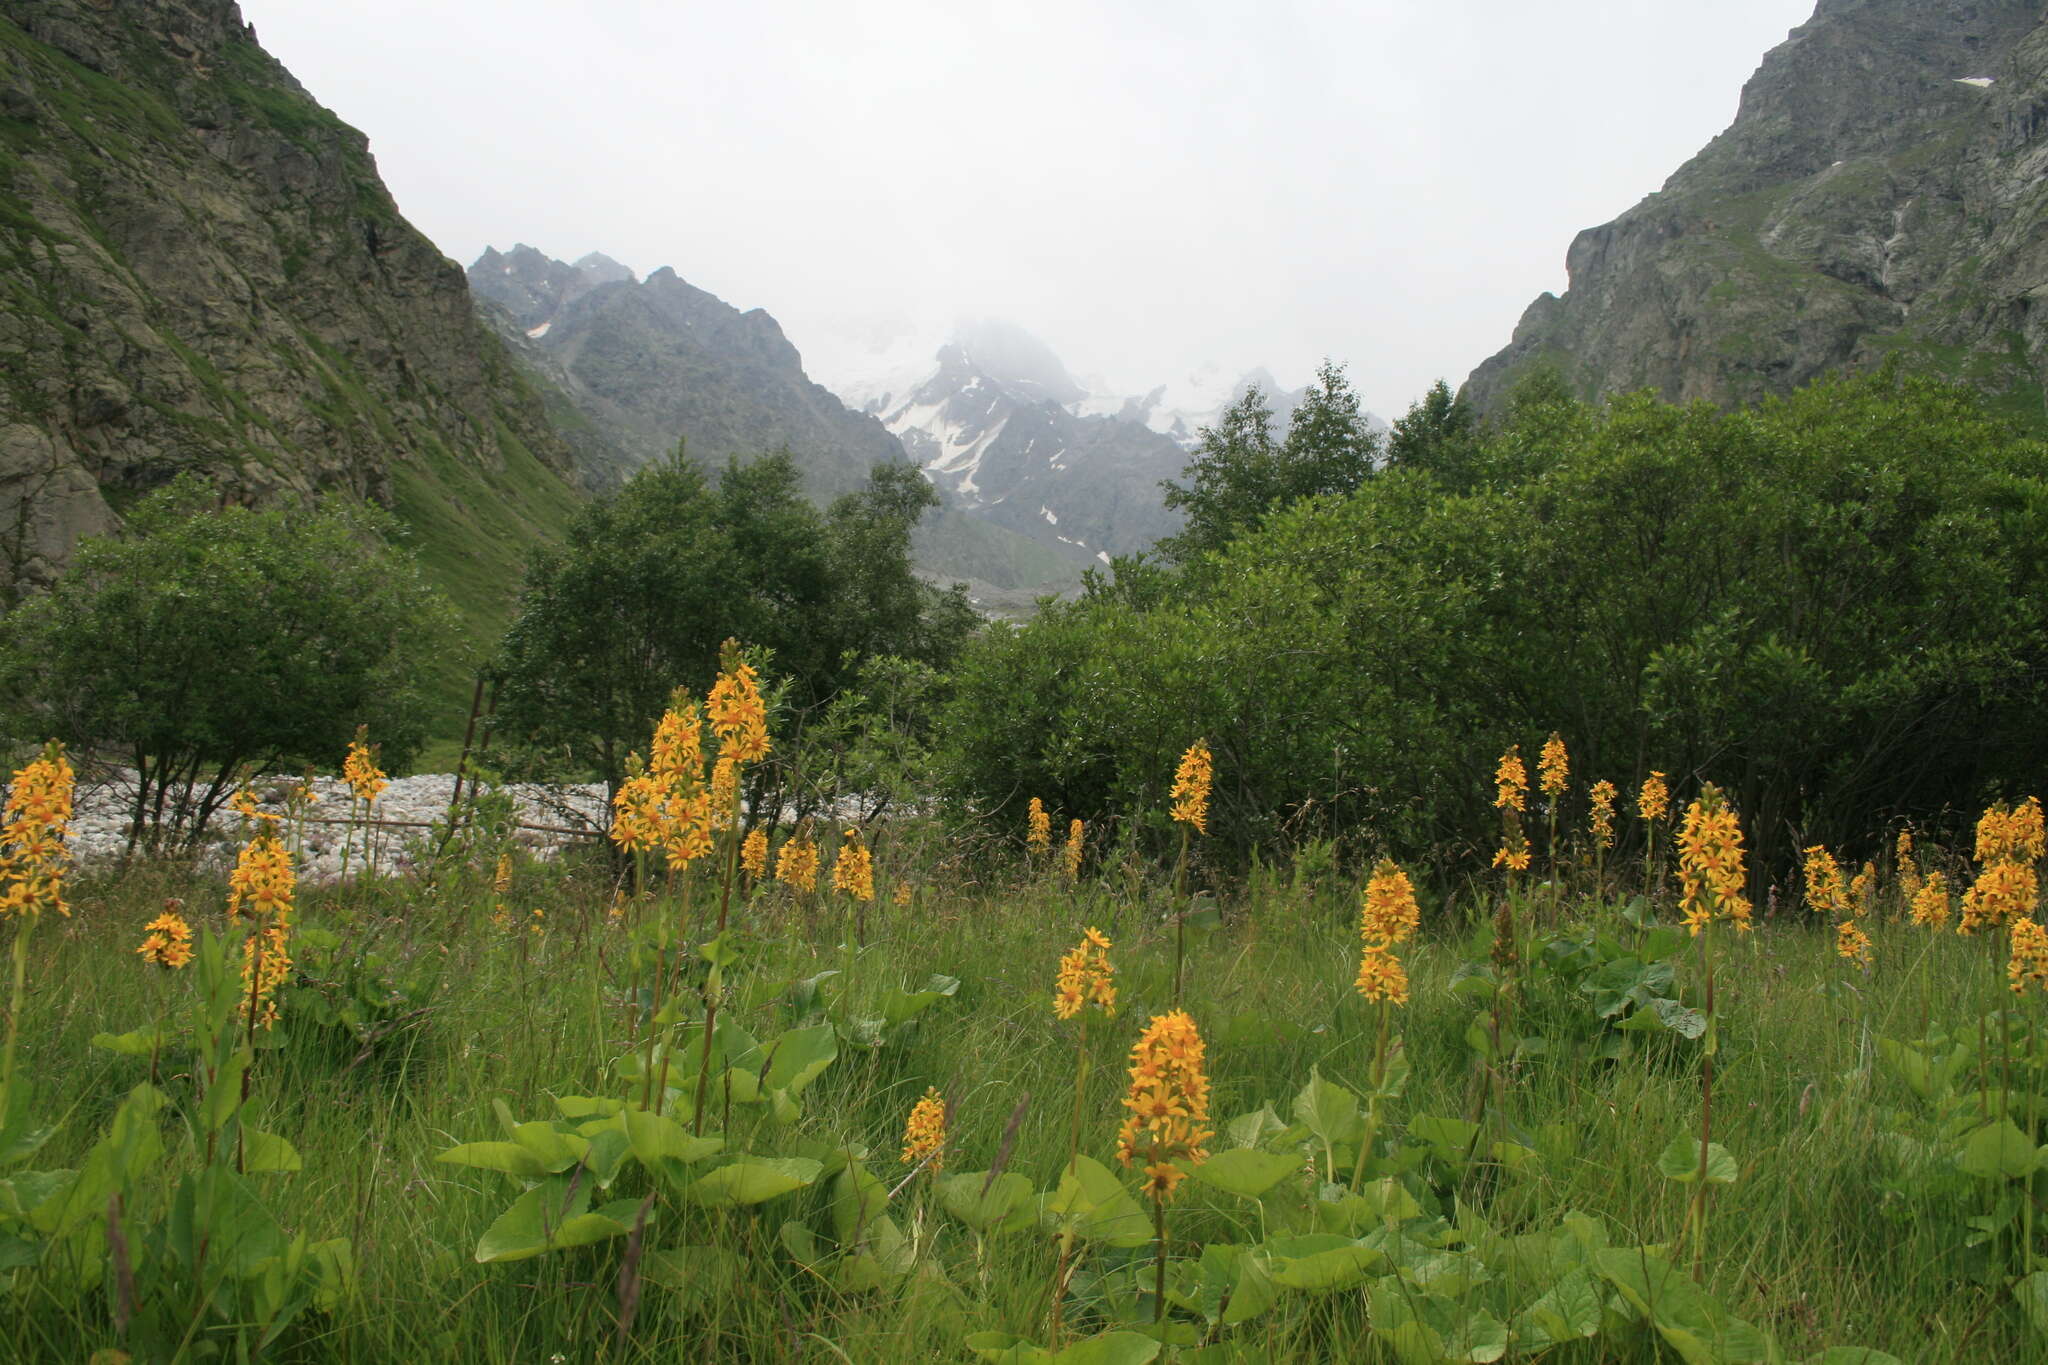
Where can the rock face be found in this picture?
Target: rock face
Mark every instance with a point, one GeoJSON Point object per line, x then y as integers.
{"type": "Point", "coordinates": [638, 364]}
{"type": "Point", "coordinates": [1883, 191]}
{"type": "Point", "coordinates": [200, 269]}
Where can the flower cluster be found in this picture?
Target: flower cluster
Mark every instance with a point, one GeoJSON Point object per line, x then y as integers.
{"type": "Point", "coordinates": [1038, 828]}
{"type": "Point", "coordinates": [796, 864]}
{"type": "Point", "coordinates": [1511, 781]}
{"type": "Point", "coordinates": [738, 715]}
{"type": "Point", "coordinates": [37, 819]}
{"type": "Point", "coordinates": [1825, 894]}
{"type": "Point", "coordinates": [1930, 902]}
{"type": "Point", "coordinates": [902, 897]}
{"type": "Point", "coordinates": [1070, 855]}
{"type": "Point", "coordinates": [1908, 868]}
{"type": "Point", "coordinates": [1086, 977]}
{"type": "Point", "coordinates": [1388, 915]}
{"type": "Point", "coordinates": [1863, 890]}
{"type": "Point", "coordinates": [1653, 802]}
{"type": "Point", "coordinates": [2029, 961]}
{"type": "Point", "coordinates": [854, 870]}
{"type": "Point", "coordinates": [1852, 943]}
{"type": "Point", "coordinates": [1168, 1103]}
{"type": "Point", "coordinates": [924, 1132]}
{"type": "Point", "coordinates": [266, 965]}
{"type": "Point", "coordinates": [1711, 878]}
{"type": "Point", "coordinates": [1191, 783]}
{"type": "Point", "coordinates": [169, 941]}
{"type": "Point", "coordinates": [2007, 889]}
{"type": "Point", "coordinates": [754, 852]}
{"type": "Point", "coordinates": [1603, 795]}
{"type": "Point", "coordinates": [665, 804]}
{"type": "Point", "coordinates": [360, 768]}
{"type": "Point", "coordinates": [263, 883]}
{"type": "Point", "coordinates": [1553, 767]}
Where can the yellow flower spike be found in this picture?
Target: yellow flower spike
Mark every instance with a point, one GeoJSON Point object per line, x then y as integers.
{"type": "Point", "coordinates": [1852, 943]}
{"type": "Point", "coordinates": [1824, 891]}
{"type": "Point", "coordinates": [1388, 913]}
{"type": "Point", "coordinates": [169, 941]}
{"type": "Point", "coordinates": [1909, 869]}
{"type": "Point", "coordinates": [262, 883]}
{"type": "Point", "coordinates": [1381, 977]}
{"type": "Point", "coordinates": [1930, 902]}
{"type": "Point", "coordinates": [1553, 767]}
{"type": "Point", "coordinates": [1070, 854]}
{"type": "Point", "coordinates": [1086, 977]}
{"type": "Point", "coordinates": [1168, 1103]}
{"type": "Point", "coordinates": [902, 896]}
{"type": "Point", "coordinates": [360, 768]}
{"type": "Point", "coordinates": [754, 852]}
{"type": "Point", "coordinates": [854, 870]}
{"type": "Point", "coordinates": [1038, 828]}
{"type": "Point", "coordinates": [1191, 783]}
{"type": "Point", "coordinates": [677, 755]}
{"type": "Point", "coordinates": [1511, 781]}
{"type": "Point", "coordinates": [738, 715]}
{"type": "Point", "coordinates": [1653, 802]}
{"type": "Point", "coordinates": [1602, 813]}
{"type": "Point", "coordinates": [1712, 882]}
{"type": "Point", "coordinates": [924, 1132]}
{"type": "Point", "coordinates": [1863, 890]}
{"type": "Point", "coordinates": [2029, 961]}
{"type": "Point", "coordinates": [266, 965]}
{"type": "Point", "coordinates": [35, 824]}
{"type": "Point", "coordinates": [796, 865]}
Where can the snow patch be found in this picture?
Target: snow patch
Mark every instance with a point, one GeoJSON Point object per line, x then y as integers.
{"type": "Point", "coordinates": [1981, 82]}
{"type": "Point", "coordinates": [1046, 512]}
{"type": "Point", "coordinates": [1102, 555]}
{"type": "Point", "coordinates": [536, 333]}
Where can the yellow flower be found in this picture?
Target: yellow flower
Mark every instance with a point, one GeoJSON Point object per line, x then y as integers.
{"type": "Point", "coordinates": [1086, 977]}
{"type": "Point", "coordinates": [1038, 828]}
{"type": "Point", "coordinates": [738, 716]}
{"type": "Point", "coordinates": [169, 941]}
{"type": "Point", "coordinates": [1168, 1103]}
{"type": "Point", "coordinates": [1070, 855]}
{"type": "Point", "coordinates": [854, 870]}
{"type": "Point", "coordinates": [1388, 913]}
{"type": "Point", "coordinates": [924, 1132]}
{"type": "Point", "coordinates": [1513, 859]}
{"type": "Point", "coordinates": [266, 965]}
{"type": "Point", "coordinates": [1511, 781]}
{"type": "Point", "coordinates": [1653, 802]}
{"type": "Point", "coordinates": [637, 809]}
{"type": "Point", "coordinates": [796, 865]}
{"type": "Point", "coordinates": [1930, 902]}
{"type": "Point", "coordinates": [1191, 782]}
{"type": "Point", "coordinates": [754, 852]}
{"type": "Point", "coordinates": [360, 768]}
{"type": "Point", "coordinates": [2002, 893]}
{"type": "Point", "coordinates": [1712, 881]}
{"type": "Point", "coordinates": [903, 895]}
{"type": "Point", "coordinates": [263, 883]}
{"type": "Point", "coordinates": [1909, 870]}
{"type": "Point", "coordinates": [1602, 816]}
{"type": "Point", "coordinates": [2029, 960]}
{"type": "Point", "coordinates": [1863, 889]}
{"type": "Point", "coordinates": [1852, 943]}
{"type": "Point", "coordinates": [725, 791]}
{"type": "Point", "coordinates": [1824, 893]}
{"type": "Point", "coordinates": [1553, 768]}
{"type": "Point", "coordinates": [501, 880]}
{"type": "Point", "coordinates": [1381, 975]}
{"type": "Point", "coordinates": [678, 750]}
{"type": "Point", "coordinates": [33, 829]}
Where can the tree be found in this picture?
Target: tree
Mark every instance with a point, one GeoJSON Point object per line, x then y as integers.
{"type": "Point", "coordinates": [204, 640]}
{"type": "Point", "coordinates": [1436, 434]}
{"type": "Point", "coordinates": [650, 581]}
{"type": "Point", "coordinates": [1240, 474]}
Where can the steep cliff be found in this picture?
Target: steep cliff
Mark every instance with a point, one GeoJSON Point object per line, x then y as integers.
{"type": "Point", "coordinates": [1882, 191]}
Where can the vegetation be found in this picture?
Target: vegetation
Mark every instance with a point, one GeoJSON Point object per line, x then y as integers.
{"type": "Point", "coordinates": [204, 641]}
{"type": "Point", "coordinates": [1826, 605]}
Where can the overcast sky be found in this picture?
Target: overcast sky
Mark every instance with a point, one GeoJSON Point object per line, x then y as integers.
{"type": "Point", "coordinates": [1149, 187]}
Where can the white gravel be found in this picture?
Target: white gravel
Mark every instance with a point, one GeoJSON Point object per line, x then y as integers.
{"type": "Point", "coordinates": [99, 826]}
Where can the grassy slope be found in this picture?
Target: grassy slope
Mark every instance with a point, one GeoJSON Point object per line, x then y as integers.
{"type": "Point", "coordinates": [1817, 1243]}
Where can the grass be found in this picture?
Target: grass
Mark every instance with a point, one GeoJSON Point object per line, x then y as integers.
{"type": "Point", "coordinates": [1826, 1239]}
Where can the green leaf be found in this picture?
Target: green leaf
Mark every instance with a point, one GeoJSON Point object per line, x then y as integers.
{"type": "Point", "coordinates": [1680, 1161]}
{"type": "Point", "coordinates": [1998, 1151]}
{"type": "Point", "coordinates": [1568, 1311]}
{"type": "Point", "coordinates": [752, 1180]}
{"type": "Point", "coordinates": [263, 1151]}
{"type": "Point", "coordinates": [800, 1057]}
{"type": "Point", "coordinates": [1449, 1139]}
{"type": "Point", "coordinates": [509, 1157]}
{"type": "Point", "coordinates": [656, 1136]}
{"type": "Point", "coordinates": [140, 1042]}
{"type": "Point", "coordinates": [1853, 1355]}
{"type": "Point", "coordinates": [1006, 1206]}
{"type": "Point", "coordinates": [1110, 1348]}
{"type": "Point", "coordinates": [1320, 1262]}
{"type": "Point", "coordinates": [1093, 1203]}
{"type": "Point", "coordinates": [1692, 1323]}
{"type": "Point", "coordinates": [1328, 1110]}
{"type": "Point", "coordinates": [1247, 1172]}
{"type": "Point", "coordinates": [2032, 1293]}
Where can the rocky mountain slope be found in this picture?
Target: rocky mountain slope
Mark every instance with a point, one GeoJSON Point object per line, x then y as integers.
{"type": "Point", "coordinates": [1882, 191]}
{"type": "Point", "coordinates": [203, 271]}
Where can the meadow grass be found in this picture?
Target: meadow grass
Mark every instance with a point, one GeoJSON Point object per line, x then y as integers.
{"type": "Point", "coordinates": [1829, 1237]}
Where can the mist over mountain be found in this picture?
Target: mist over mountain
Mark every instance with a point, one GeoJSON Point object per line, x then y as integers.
{"type": "Point", "coordinates": [1883, 191]}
